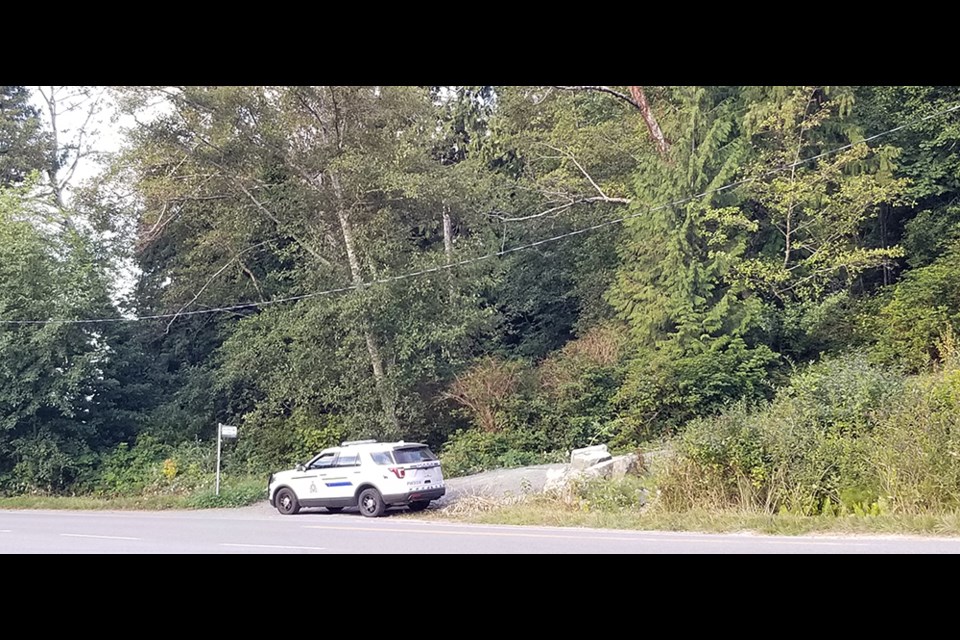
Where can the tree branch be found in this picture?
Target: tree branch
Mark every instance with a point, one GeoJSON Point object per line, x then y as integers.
{"type": "Point", "coordinates": [562, 207]}
{"type": "Point", "coordinates": [638, 100]}
{"type": "Point", "coordinates": [260, 206]}
{"type": "Point", "coordinates": [212, 278]}
{"type": "Point", "coordinates": [607, 90]}
{"type": "Point", "coordinates": [582, 170]}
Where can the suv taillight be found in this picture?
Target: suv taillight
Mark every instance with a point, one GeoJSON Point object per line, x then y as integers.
{"type": "Point", "coordinates": [400, 472]}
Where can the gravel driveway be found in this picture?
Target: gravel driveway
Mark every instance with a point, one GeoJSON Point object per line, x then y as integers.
{"type": "Point", "coordinates": [498, 483]}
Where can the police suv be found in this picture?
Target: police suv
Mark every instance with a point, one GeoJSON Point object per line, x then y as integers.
{"type": "Point", "coordinates": [367, 474]}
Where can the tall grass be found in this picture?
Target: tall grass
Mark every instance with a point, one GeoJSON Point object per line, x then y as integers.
{"type": "Point", "coordinates": [234, 492]}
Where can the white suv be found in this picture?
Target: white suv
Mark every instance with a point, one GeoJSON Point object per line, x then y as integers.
{"type": "Point", "coordinates": [365, 473]}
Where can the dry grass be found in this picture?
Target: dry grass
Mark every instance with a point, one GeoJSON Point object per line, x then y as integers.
{"type": "Point", "coordinates": [547, 512]}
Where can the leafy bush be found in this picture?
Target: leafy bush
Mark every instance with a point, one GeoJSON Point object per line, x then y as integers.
{"type": "Point", "coordinates": [270, 442]}
{"type": "Point", "coordinates": [915, 450]}
{"type": "Point", "coordinates": [129, 470]}
{"type": "Point", "coordinates": [151, 467]}
{"type": "Point", "coordinates": [598, 494]}
{"type": "Point", "coordinates": [664, 389]}
{"type": "Point", "coordinates": [473, 450]}
{"type": "Point", "coordinates": [232, 494]}
{"type": "Point", "coordinates": [805, 452]}
{"type": "Point", "coordinates": [923, 307]}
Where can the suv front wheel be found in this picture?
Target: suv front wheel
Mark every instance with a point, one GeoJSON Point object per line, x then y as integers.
{"type": "Point", "coordinates": [287, 503]}
{"type": "Point", "coordinates": [371, 503]}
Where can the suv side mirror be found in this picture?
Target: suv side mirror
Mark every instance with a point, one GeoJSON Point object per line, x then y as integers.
{"type": "Point", "coordinates": [300, 467]}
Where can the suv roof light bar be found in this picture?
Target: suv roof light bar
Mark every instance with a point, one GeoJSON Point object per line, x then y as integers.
{"type": "Point", "coordinates": [348, 443]}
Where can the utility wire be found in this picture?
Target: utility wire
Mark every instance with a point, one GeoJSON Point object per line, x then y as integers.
{"type": "Point", "coordinates": [488, 256]}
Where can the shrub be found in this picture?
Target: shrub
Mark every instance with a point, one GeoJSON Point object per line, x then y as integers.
{"type": "Point", "coordinates": [922, 307]}
{"type": "Point", "coordinates": [598, 494]}
{"type": "Point", "coordinates": [915, 450]}
{"type": "Point", "coordinates": [805, 452]}
{"type": "Point", "coordinates": [473, 450]}
{"type": "Point", "coordinates": [232, 494]}
{"type": "Point", "coordinates": [271, 442]}
{"type": "Point", "coordinates": [486, 389]}
{"type": "Point", "coordinates": [665, 387]}
{"type": "Point", "coordinates": [129, 470]}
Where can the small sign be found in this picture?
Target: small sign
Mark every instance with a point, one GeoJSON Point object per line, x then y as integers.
{"type": "Point", "coordinates": [227, 431]}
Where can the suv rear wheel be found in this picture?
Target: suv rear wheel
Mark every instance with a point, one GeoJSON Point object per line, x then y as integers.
{"type": "Point", "coordinates": [371, 503]}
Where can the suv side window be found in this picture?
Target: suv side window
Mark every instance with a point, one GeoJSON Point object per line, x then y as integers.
{"type": "Point", "coordinates": [381, 457]}
{"type": "Point", "coordinates": [323, 462]}
{"type": "Point", "coordinates": [348, 460]}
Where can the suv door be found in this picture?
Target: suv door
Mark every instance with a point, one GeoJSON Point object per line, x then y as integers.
{"type": "Point", "coordinates": [309, 485]}
{"type": "Point", "coordinates": [342, 479]}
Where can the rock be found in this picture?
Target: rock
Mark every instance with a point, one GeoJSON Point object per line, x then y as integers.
{"type": "Point", "coordinates": [589, 456]}
{"type": "Point", "coordinates": [557, 479]}
{"type": "Point", "coordinates": [628, 465]}
{"type": "Point", "coordinates": [601, 469]}
{"type": "Point", "coordinates": [561, 484]}
{"type": "Point", "coordinates": [596, 447]}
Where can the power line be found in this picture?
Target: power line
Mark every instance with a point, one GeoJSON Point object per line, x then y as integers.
{"type": "Point", "coordinates": [488, 256]}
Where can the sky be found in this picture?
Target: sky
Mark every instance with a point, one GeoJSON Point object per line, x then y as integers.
{"type": "Point", "coordinates": [87, 117]}
{"type": "Point", "coordinates": [95, 114]}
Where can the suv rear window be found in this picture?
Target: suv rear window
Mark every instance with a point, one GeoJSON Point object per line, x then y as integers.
{"type": "Point", "coordinates": [413, 454]}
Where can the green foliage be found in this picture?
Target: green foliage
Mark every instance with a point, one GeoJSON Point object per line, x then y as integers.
{"type": "Point", "coordinates": [696, 315]}
{"type": "Point", "coordinates": [914, 449]}
{"type": "Point", "coordinates": [472, 451]}
{"type": "Point", "coordinates": [61, 397]}
{"type": "Point", "coordinates": [664, 389]}
{"type": "Point", "coordinates": [232, 494]}
{"type": "Point", "coordinates": [24, 147]}
{"type": "Point", "coordinates": [845, 437]}
{"type": "Point", "coordinates": [598, 494]}
{"type": "Point", "coordinates": [921, 308]}
{"type": "Point", "coordinates": [151, 467]}
{"type": "Point", "coordinates": [272, 442]}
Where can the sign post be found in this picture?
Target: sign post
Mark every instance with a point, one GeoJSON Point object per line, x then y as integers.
{"type": "Point", "coordinates": [223, 431]}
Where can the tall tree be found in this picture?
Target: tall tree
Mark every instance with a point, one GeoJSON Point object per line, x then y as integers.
{"type": "Point", "coordinates": [24, 147]}
{"type": "Point", "coordinates": [62, 401]}
{"type": "Point", "coordinates": [265, 192]}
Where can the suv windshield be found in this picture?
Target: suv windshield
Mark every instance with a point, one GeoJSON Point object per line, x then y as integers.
{"type": "Point", "coordinates": [413, 454]}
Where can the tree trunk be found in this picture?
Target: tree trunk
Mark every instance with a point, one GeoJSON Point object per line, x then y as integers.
{"type": "Point", "coordinates": [51, 169]}
{"type": "Point", "coordinates": [448, 245]}
{"type": "Point", "coordinates": [387, 401]}
{"type": "Point", "coordinates": [640, 99]}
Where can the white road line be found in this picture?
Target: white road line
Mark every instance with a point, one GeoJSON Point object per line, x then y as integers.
{"type": "Point", "coordinates": [84, 535]}
{"type": "Point", "coordinates": [272, 546]}
{"type": "Point", "coordinates": [5, 531]}
{"type": "Point", "coordinates": [563, 536]}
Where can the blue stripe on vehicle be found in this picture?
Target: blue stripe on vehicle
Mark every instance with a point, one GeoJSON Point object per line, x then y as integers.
{"type": "Point", "coordinates": [339, 484]}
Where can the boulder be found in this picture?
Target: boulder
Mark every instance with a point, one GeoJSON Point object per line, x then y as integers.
{"type": "Point", "coordinates": [589, 456]}
{"type": "Point", "coordinates": [557, 479]}
{"type": "Point", "coordinates": [601, 469]}
{"type": "Point", "coordinates": [628, 465]}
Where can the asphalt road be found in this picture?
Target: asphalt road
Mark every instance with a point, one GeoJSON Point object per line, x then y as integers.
{"type": "Point", "coordinates": [256, 530]}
